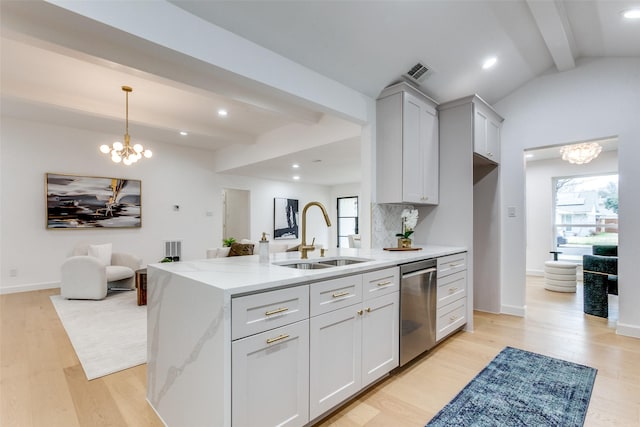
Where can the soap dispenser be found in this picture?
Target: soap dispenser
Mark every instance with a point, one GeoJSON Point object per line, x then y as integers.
{"type": "Point", "coordinates": [263, 248]}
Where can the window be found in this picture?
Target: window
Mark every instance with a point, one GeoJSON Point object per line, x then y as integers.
{"type": "Point", "coordinates": [347, 219]}
{"type": "Point", "coordinates": [585, 214]}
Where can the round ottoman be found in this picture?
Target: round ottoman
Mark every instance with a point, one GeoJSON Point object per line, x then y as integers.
{"type": "Point", "coordinates": [560, 276]}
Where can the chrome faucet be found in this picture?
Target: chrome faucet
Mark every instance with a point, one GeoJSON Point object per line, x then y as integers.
{"type": "Point", "coordinates": [303, 247]}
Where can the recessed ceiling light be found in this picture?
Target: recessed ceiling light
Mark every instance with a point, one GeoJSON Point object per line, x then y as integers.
{"type": "Point", "coordinates": [489, 62]}
{"type": "Point", "coordinates": [631, 14]}
{"type": "Point", "coordinates": [295, 166]}
{"type": "Point", "coordinates": [222, 112]}
{"type": "Point", "coordinates": [184, 133]}
{"type": "Point", "coordinates": [528, 156]}
{"type": "Point", "coordinates": [296, 177]}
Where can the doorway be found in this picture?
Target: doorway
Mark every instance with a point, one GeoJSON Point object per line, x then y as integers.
{"type": "Point", "coordinates": [565, 210]}
{"type": "Point", "coordinates": [347, 219]}
{"type": "Point", "coordinates": [236, 213]}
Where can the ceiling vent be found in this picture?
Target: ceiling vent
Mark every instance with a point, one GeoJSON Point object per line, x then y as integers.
{"type": "Point", "coordinates": [418, 73]}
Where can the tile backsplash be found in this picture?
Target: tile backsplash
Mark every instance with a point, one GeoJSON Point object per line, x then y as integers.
{"type": "Point", "coordinates": [385, 224]}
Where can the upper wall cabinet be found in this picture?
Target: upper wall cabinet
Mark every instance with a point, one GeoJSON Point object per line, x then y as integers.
{"type": "Point", "coordinates": [486, 130]}
{"type": "Point", "coordinates": [407, 147]}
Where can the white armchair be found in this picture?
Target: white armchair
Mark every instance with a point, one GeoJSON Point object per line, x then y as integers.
{"type": "Point", "coordinates": [93, 270]}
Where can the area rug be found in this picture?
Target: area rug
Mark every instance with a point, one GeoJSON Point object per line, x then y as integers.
{"type": "Point", "coordinates": [108, 335]}
{"type": "Point", "coordinates": [520, 388]}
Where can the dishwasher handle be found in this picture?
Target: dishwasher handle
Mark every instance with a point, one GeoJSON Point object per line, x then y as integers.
{"type": "Point", "coordinates": [419, 272]}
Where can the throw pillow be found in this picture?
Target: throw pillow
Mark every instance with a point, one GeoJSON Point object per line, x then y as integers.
{"type": "Point", "coordinates": [102, 252]}
{"type": "Point", "coordinates": [240, 249]}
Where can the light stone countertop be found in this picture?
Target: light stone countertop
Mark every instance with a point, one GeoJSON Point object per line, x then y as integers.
{"type": "Point", "coordinates": [245, 274]}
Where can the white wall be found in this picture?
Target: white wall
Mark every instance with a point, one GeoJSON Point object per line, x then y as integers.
{"type": "Point", "coordinates": [174, 176]}
{"type": "Point", "coordinates": [261, 206]}
{"type": "Point", "coordinates": [598, 98]}
{"type": "Point", "coordinates": [539, 201]}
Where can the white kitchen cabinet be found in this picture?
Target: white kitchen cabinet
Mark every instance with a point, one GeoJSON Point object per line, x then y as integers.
{"type": "Point", "coordinates": [450, 318]}
{"type": "Point", "coordinates": [270, 357]}
{"type": "Point", "coordinates": [337, 293]}
{"type": "Point", "coordinates": [451, 306]}
{"type": "Point", "coordinates": [267, 310]}
{"type": "Point", "coordinates": [407, 167]}
{"type": "Point", "coordinates": [486, 130]}
{"type": "Point", "coordinates": [352, 346]}
{"type": "Point", "coordinates": [471, 208]}
{"type": "Point", "coordinates": [270, 373]}
{"type": "Point", "coordinates": [380, 336]}
{"type": "Point", "coordinates": [334, 358]}
{"type": "Point", "coordinates": [225, 350]}
{"type": "Point", "coordinates": [380, 323]}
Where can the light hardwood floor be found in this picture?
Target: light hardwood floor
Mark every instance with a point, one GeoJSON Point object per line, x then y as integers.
{"type": "Point", "coordinates": [42, 382]}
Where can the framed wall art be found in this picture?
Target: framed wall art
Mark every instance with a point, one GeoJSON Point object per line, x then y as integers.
{"type": "Point", "coordinates": [285, 218]}
{"type": "Point", "coordinates": [92, 202]}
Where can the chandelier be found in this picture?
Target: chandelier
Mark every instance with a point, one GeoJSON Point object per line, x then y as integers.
{"type": "Point", "coordinates": [126, 153]}
{"type": "Point", "coordinates": [580, 153]}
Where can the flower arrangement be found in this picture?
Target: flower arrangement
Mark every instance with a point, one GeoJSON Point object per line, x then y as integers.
{"type": "Point", "coordinates": [409, 221]}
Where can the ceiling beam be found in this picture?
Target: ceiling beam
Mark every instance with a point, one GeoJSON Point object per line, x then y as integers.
{"type": "Point", "coordinates": [551, 19]}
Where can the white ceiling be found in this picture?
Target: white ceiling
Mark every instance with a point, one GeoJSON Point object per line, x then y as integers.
{"type": "Point", "coordinates": [368, 45]}
{"type": "Point", "coordinates": [63, 68]}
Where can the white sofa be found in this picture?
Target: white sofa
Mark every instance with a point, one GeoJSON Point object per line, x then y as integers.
{"type": "Point", "coordinates": [93, 269]}
{"type": "Point", "coordinates": [273, 248]}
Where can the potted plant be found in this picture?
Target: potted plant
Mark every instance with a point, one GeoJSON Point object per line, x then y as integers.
{"type": "Point", "coordinates": [409, 220]}
{"type": "Point", "coordinates": [228, 241]}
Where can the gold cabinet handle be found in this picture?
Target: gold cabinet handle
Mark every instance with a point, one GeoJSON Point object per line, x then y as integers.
{"type": "Point", "coordinates": [457, 264]}
{"type": "Point", "coordinates": [368, 310]}
{"type": "Point", "coordinates": [388, 282]}
{"type": "Point", "coordinates": [276, 311]}
{"type": "Point", "coordinates": [340, 294]}
{"type": "Point", "coordinates": [278, 338]}
{"type": "Point", "coordinates": [453, 290]}
{"type": "Point", "coordinates": [360, 312]}
{"type": "Point", "coordinates": [454, 318]}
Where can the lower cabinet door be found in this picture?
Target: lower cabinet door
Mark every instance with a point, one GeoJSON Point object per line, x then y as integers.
{"type": "Point", "coordinates": [334, 358]}
{"type": "Point", "coordinates": [380, 337]}
{"type": "Point", "coordinates": [270, 377]}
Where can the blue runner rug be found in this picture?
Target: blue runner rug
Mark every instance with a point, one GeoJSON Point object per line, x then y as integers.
{"type": "Point", "coordinates": [520, 388]}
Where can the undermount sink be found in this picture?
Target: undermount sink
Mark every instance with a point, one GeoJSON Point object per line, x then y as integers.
{"type": "Point", "coordinates": [319, 264]}
{"type": "Point", "coordinates": [300, 265]}
{"type": "Point", "coordinates": [336, 262]}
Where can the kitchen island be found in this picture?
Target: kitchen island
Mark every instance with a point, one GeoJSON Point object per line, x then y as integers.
{"type": "Point", "coordinates": [204, 314]}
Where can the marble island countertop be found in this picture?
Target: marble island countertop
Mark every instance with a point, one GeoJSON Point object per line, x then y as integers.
{"type": "Point", "coordinates": [190, 316]}
{"type": "Point", "coordinates": [245, 274]}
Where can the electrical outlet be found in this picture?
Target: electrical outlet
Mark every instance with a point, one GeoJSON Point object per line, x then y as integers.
{"type": "Point", "coordinates": [511, 211]}
{"type": "Point", "coordinates": [13, 272]}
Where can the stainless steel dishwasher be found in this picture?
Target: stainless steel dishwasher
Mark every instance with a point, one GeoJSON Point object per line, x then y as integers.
{"type": "Point", "coordinates": [418, 297]}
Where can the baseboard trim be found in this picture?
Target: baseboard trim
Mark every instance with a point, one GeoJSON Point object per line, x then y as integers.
{"type": "Point", "coordinates": [628, 330]}
{"type": "Point", "coordinates": [520, 311]}
{"type": "Point", "coordinates": [29, 287]}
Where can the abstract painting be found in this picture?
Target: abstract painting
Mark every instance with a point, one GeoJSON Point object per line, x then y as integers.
{"type": "Point", "coordinates": [92, 202]}
{"type": "Point", "coordinates": [285, 218]}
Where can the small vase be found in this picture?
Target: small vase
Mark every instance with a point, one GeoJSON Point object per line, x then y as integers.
{"type": "Point", "coordinates": [404, 242]}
